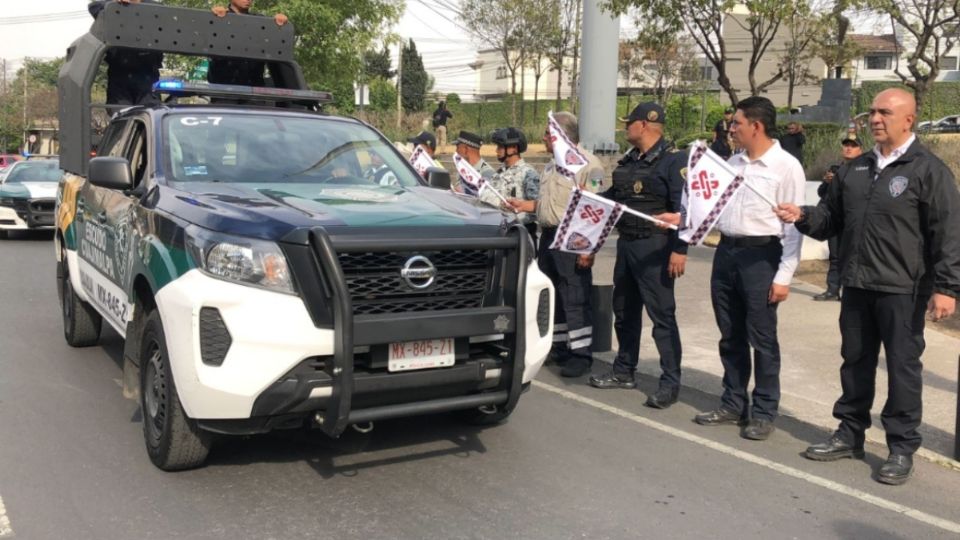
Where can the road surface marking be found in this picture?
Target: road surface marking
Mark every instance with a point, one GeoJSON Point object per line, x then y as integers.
{"type": "Point", "coordinates": [5, 530]}
{"type": "Point", "coordinates": [837, 487]}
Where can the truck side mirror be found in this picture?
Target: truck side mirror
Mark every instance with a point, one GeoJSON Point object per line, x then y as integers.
{"type": "Point", "coordinates": [438, 177]}
{"type": "Point", "coordinates": [110, 173]}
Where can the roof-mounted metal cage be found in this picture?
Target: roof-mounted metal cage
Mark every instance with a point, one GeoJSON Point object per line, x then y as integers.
{"type": "Point", "coordinates": [169, 30]}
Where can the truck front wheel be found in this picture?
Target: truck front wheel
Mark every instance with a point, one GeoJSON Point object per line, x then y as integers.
{"type": "Point", "coordinates": [174, 442]}
{"type": "Point", "coordinates": [81, 323]}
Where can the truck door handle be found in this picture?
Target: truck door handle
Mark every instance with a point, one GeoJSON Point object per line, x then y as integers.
{"type": "Point", "coordinates": [102, 217]}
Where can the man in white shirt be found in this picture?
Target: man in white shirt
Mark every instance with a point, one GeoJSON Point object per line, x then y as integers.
{"type": "Point", "coordinates": [752, 270]}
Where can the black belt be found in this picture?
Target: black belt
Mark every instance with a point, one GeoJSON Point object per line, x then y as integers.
{"type": "Point", "coordinates": [628, 236]}
{"type": "Point", "coordinates": [748, 241]}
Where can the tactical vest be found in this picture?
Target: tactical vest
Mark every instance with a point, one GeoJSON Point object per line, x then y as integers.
{"type": "Point", "coordinates": [630, 187]}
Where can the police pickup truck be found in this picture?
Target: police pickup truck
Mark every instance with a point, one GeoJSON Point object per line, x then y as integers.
{"type": "Point", "coordinates": [263, 278]}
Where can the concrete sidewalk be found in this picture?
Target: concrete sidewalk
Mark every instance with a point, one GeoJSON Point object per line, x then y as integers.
{"type": "Point", "coordinates": [810, 348]}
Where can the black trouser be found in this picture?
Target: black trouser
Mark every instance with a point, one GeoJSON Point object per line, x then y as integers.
{"type": "Point", "coordinates": [130, 89]}
{"type": "Point", "coordinates": [833, 273]}
{"type": "Point", "coordinates": [572, 324]}
{"type": "Point", "coordinates": [641, 279]}
{"type": "Point", "coordinates": [867, 319]}
{"type": "Point", "coordinates": [740, 288]}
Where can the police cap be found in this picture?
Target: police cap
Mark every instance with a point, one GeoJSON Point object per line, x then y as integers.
{"type": "Point", "coordinates": [649, 111]}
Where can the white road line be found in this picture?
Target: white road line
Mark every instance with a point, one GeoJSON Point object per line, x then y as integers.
{"type": "Point", "coordinates": [5, 530]}
{"type": "Point", "coordinates": [837, 487]}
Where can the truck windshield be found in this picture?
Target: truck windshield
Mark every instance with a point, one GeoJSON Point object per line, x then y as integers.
{"type": "Point", "coordinates": [236, 147]}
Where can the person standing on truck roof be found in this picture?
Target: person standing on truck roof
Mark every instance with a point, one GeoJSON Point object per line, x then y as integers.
{"type": "Point", "coordinates": [130, 72]}
{"type": "Point", "coordinates": [571, 274]}
{"type": "Point", "coordinates": [236, 70]}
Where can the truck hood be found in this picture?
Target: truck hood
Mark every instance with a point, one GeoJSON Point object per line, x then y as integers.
{"type": "Point", "coordinates": [271, 210]}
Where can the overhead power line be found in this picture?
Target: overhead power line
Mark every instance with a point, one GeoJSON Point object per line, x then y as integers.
{"type": "Point", "coordinates": [44, 18]}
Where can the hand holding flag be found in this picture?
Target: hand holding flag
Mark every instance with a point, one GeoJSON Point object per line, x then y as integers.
{"type": "Point", "coordinates": [421, 161]}
{"type": "Point", "coordinates": [472, 178]}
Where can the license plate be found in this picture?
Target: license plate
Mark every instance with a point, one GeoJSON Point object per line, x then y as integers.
{"type": "Point", "coordinates": [423, 354]}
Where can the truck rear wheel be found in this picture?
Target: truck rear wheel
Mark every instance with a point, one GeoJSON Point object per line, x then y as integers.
{"type": "Point", "coordinates": [81, 323]}
{"type": "Point", "coordinates": [174, 441]}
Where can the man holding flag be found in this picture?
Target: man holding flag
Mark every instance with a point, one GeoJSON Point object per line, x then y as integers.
{"type": "Point", "coordinates": [424, 147]}
{"type": "Point", "coordinates": [570, 273]}
{"type": "Point", "coordinates": [754, 263]}
{"type": "Point", "coordinates": [650, 178]}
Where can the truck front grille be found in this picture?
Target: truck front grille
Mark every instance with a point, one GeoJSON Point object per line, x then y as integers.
{"type": "Point", "coordinates": [463, 278]}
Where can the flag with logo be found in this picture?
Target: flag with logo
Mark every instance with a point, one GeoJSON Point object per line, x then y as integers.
{"type": "Point", "coordinates": [711, 182]}
{"type": "Point", "coordinates": [586, 223]}
{"type": "Point", "coordinates": [567, 157]}
{"type": "Point", "coordinates": [421, 161]}
{"type": "Point", "coordinates": [471, 178]}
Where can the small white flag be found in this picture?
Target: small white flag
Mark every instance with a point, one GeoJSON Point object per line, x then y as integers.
{"type": "Point", "coordinates": [586, 223]}
{"type": "Point", "coordinates": [566, 156]}
{"type": "Point", "coordinates": [470, 177]}
{"type": "Point", "coordinates": [421, 161]}
{"type": "Point", "coordinates": [711, 182]}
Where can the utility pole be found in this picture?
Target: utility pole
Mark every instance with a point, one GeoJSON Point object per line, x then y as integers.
{"type": "Point", "coordinates": [598, 83]}
{"type": "Point", "coordinates": [399, 84]}
{"type": "Point", "coordinates": [574, 74]}
{"type": "Point", "coordinates": [26, 78]}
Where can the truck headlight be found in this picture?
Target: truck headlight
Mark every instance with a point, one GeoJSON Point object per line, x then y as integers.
{"type": "Point", "coordinates": [247, 261]}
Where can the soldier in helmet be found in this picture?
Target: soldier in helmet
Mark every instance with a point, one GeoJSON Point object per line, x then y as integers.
{"type": "Point", "coordinates": [515, 179]}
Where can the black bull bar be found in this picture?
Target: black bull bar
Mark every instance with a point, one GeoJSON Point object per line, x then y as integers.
{"type": "Point", "coordinates": [351, 331]}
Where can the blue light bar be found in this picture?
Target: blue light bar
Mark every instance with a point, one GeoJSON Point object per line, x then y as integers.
{"type": "Point", "coordinates": [191, 88]}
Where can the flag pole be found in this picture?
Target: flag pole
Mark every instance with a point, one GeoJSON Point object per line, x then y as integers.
{"type": "Point", "coordinates": [631, 211]}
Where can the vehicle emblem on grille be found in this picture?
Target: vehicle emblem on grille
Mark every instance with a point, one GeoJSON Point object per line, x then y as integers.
{"type": "Point", "coordinates": [501, 323]}
{"type": "Point", "coordinates": [418, 272]}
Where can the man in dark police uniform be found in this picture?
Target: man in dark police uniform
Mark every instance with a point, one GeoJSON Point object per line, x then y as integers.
{"type": "Point", "coordinates": [650, 179]}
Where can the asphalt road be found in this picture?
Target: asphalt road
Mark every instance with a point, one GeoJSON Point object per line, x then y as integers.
{"type": "Point", "coordinates": [572, 462]}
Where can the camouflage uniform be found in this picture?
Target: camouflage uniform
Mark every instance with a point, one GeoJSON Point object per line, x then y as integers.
{"type": "Point", "coordinates": [520, 181]}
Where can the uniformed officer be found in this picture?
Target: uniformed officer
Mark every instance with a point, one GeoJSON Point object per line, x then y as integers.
{"type": "Point", "coordinates": [428, 142]}
{"type": "Point", "coordinates": [130, 72]}
{"type": "Point", "coordinates": [571, 274]}
{"type": "Point", "coordinates": [897, 211]}
{"type": "Point", "coordinates": [224, 70]}
{"type": "Point", "coordinates": [468, 147]}
{"type": "Point", "coordinates": [850, 149]}
{"type": "Point", "coordinates": [650, 179]}
{"type": "Point", "coordinates": [515, 178]}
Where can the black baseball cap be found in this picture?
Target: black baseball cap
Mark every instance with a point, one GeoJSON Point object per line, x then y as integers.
{"type": "Point", "coordinates": [425, 138]}
{"type": "Point", "coordinates": [469, 139]}
{"type": "Point", "coordinates": [649, 111]}
{"type": "Point", "coordinates": [850, 140]}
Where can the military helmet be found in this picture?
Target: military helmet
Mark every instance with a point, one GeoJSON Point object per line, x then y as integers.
{"type": "Point", "coordinates": [510, 137]}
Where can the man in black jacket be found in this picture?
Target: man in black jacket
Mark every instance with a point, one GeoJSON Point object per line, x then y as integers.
{"type": "Point", "coordinates": [851, 149]}
{"type": "Point", "coordinates": [897, 211]}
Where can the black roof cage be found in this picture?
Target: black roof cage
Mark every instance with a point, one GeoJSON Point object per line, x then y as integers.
{"type": "Point", "coordinates": [169, 30]}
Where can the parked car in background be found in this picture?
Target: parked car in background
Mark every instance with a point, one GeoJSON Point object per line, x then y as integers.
{"type": "Point", "coordinates": [28, 193]}
{"type": "Point", "coordinates": [947, 124]}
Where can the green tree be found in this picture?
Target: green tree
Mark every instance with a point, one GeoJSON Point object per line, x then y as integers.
{"type": "Point", "coordinates": [704, 21]}
{"type": "Point", "coordinates": [45, 73]}
{"type": "Point", "coordinates": [414, 81]}
{"type": "Point", "coordinates": [383, 95]}
{"type": "Point", "coordinates": [377, 64]}
{"type": "Point", "coordinates": [331, 37]}
{"type": "Point", "coordinates": [928, 29]}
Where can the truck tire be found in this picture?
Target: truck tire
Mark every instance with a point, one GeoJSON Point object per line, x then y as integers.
{"type": "Point", "coordinates": [81, 323]}
{"type": "Point", "coordinates": [174, 441]}
{"type": "Point", "coordinates": [477, 417]}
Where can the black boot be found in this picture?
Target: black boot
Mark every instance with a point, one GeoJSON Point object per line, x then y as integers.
{"type": "Point", "coordinates": [834, 449]}
{"type": "Point", "coordinates": [896, 470]}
